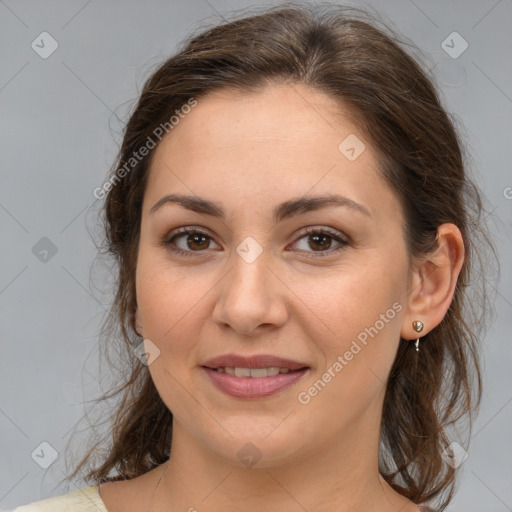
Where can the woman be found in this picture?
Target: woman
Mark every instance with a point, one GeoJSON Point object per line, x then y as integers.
{"type": "Point", "coordinates": [294, 231]}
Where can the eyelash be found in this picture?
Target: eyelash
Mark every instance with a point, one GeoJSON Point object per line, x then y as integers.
{"type": "Point", "coordinates": [310, 231]}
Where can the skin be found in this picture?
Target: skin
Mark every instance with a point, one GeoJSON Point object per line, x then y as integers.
{"type": "Point", "coordinates": [250, 152]}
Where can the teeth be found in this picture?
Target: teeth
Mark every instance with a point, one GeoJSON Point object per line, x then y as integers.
{"type": "Point", "coordinates": [256, 373]}
{"type": "Point", "coordinates": [242, 372]}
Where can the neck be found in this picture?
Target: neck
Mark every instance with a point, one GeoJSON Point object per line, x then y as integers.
{"type": "Point", "coordinates": [342, 479]}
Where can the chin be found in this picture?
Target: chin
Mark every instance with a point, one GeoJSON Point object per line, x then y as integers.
{"type": "Point", "coordinates": [258, 444]}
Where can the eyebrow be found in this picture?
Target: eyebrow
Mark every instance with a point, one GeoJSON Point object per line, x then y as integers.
{"type": "Point", "coordinates": [282, 211]}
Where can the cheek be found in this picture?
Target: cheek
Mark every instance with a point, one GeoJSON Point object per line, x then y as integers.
{"type": "Point", "coordinates": [362, 312]}
{"type": "Point", "coordinates": [170, 307]}
{"type": "Point", "coordinates": [173, 303]}
{"type": "Point", "coordinates": [165, 294]}
{"type": "Point", "coordinates": [349, 302]}
{"type": "Point", "coordinates": [358, 344]}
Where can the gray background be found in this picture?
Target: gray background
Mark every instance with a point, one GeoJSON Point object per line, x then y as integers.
{"type": "Point", "coordinates": [59, 135]}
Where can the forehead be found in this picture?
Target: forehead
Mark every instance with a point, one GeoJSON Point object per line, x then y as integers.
{"type": "Point", "coordinates": [276, 115]}
{"type": "Point", "coordinates": [267, 146]}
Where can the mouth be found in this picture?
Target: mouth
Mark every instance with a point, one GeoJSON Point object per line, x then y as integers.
{"type": "Point", "coordinates": [253, 377]}
{"type": "Point", "coordinates": [256, 362]}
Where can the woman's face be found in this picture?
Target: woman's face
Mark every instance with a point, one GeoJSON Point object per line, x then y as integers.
{"type": "Point", "coordinates": [330, 304]}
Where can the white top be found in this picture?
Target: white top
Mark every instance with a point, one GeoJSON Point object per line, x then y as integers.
{"type": "Point", "coordinates": [86, 499]}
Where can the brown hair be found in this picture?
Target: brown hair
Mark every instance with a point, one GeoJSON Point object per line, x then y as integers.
{"type": "Point", "coordinates": [355, 59]}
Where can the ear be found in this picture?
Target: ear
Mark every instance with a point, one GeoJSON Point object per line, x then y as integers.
{"type": "Point", "coordinates": [433, 281]}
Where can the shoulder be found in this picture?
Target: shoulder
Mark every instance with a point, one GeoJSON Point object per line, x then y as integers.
{"type": "Point", "coordinates": [86, 499]}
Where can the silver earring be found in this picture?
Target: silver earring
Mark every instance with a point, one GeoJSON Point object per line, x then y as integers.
{"type": "Point", "coordinates": [417, 325]}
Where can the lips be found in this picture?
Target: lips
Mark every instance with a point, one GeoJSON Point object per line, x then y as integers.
{"type": "Point", "coordinates": [253, 377]}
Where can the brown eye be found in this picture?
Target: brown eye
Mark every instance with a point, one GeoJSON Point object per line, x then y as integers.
{"type": "Point", "coordinates": [197, 241]}
{"type": "Point", "coordinates": [186, 241]}
{"type": "Point", "coordinates": [320, 240]}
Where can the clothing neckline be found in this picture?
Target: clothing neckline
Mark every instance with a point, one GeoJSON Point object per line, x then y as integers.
{"type": "Point", "coordinates": [96, 497]}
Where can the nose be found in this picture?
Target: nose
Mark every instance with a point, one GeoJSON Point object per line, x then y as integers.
{"type": "Point", "coordinates": [252, 297]}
